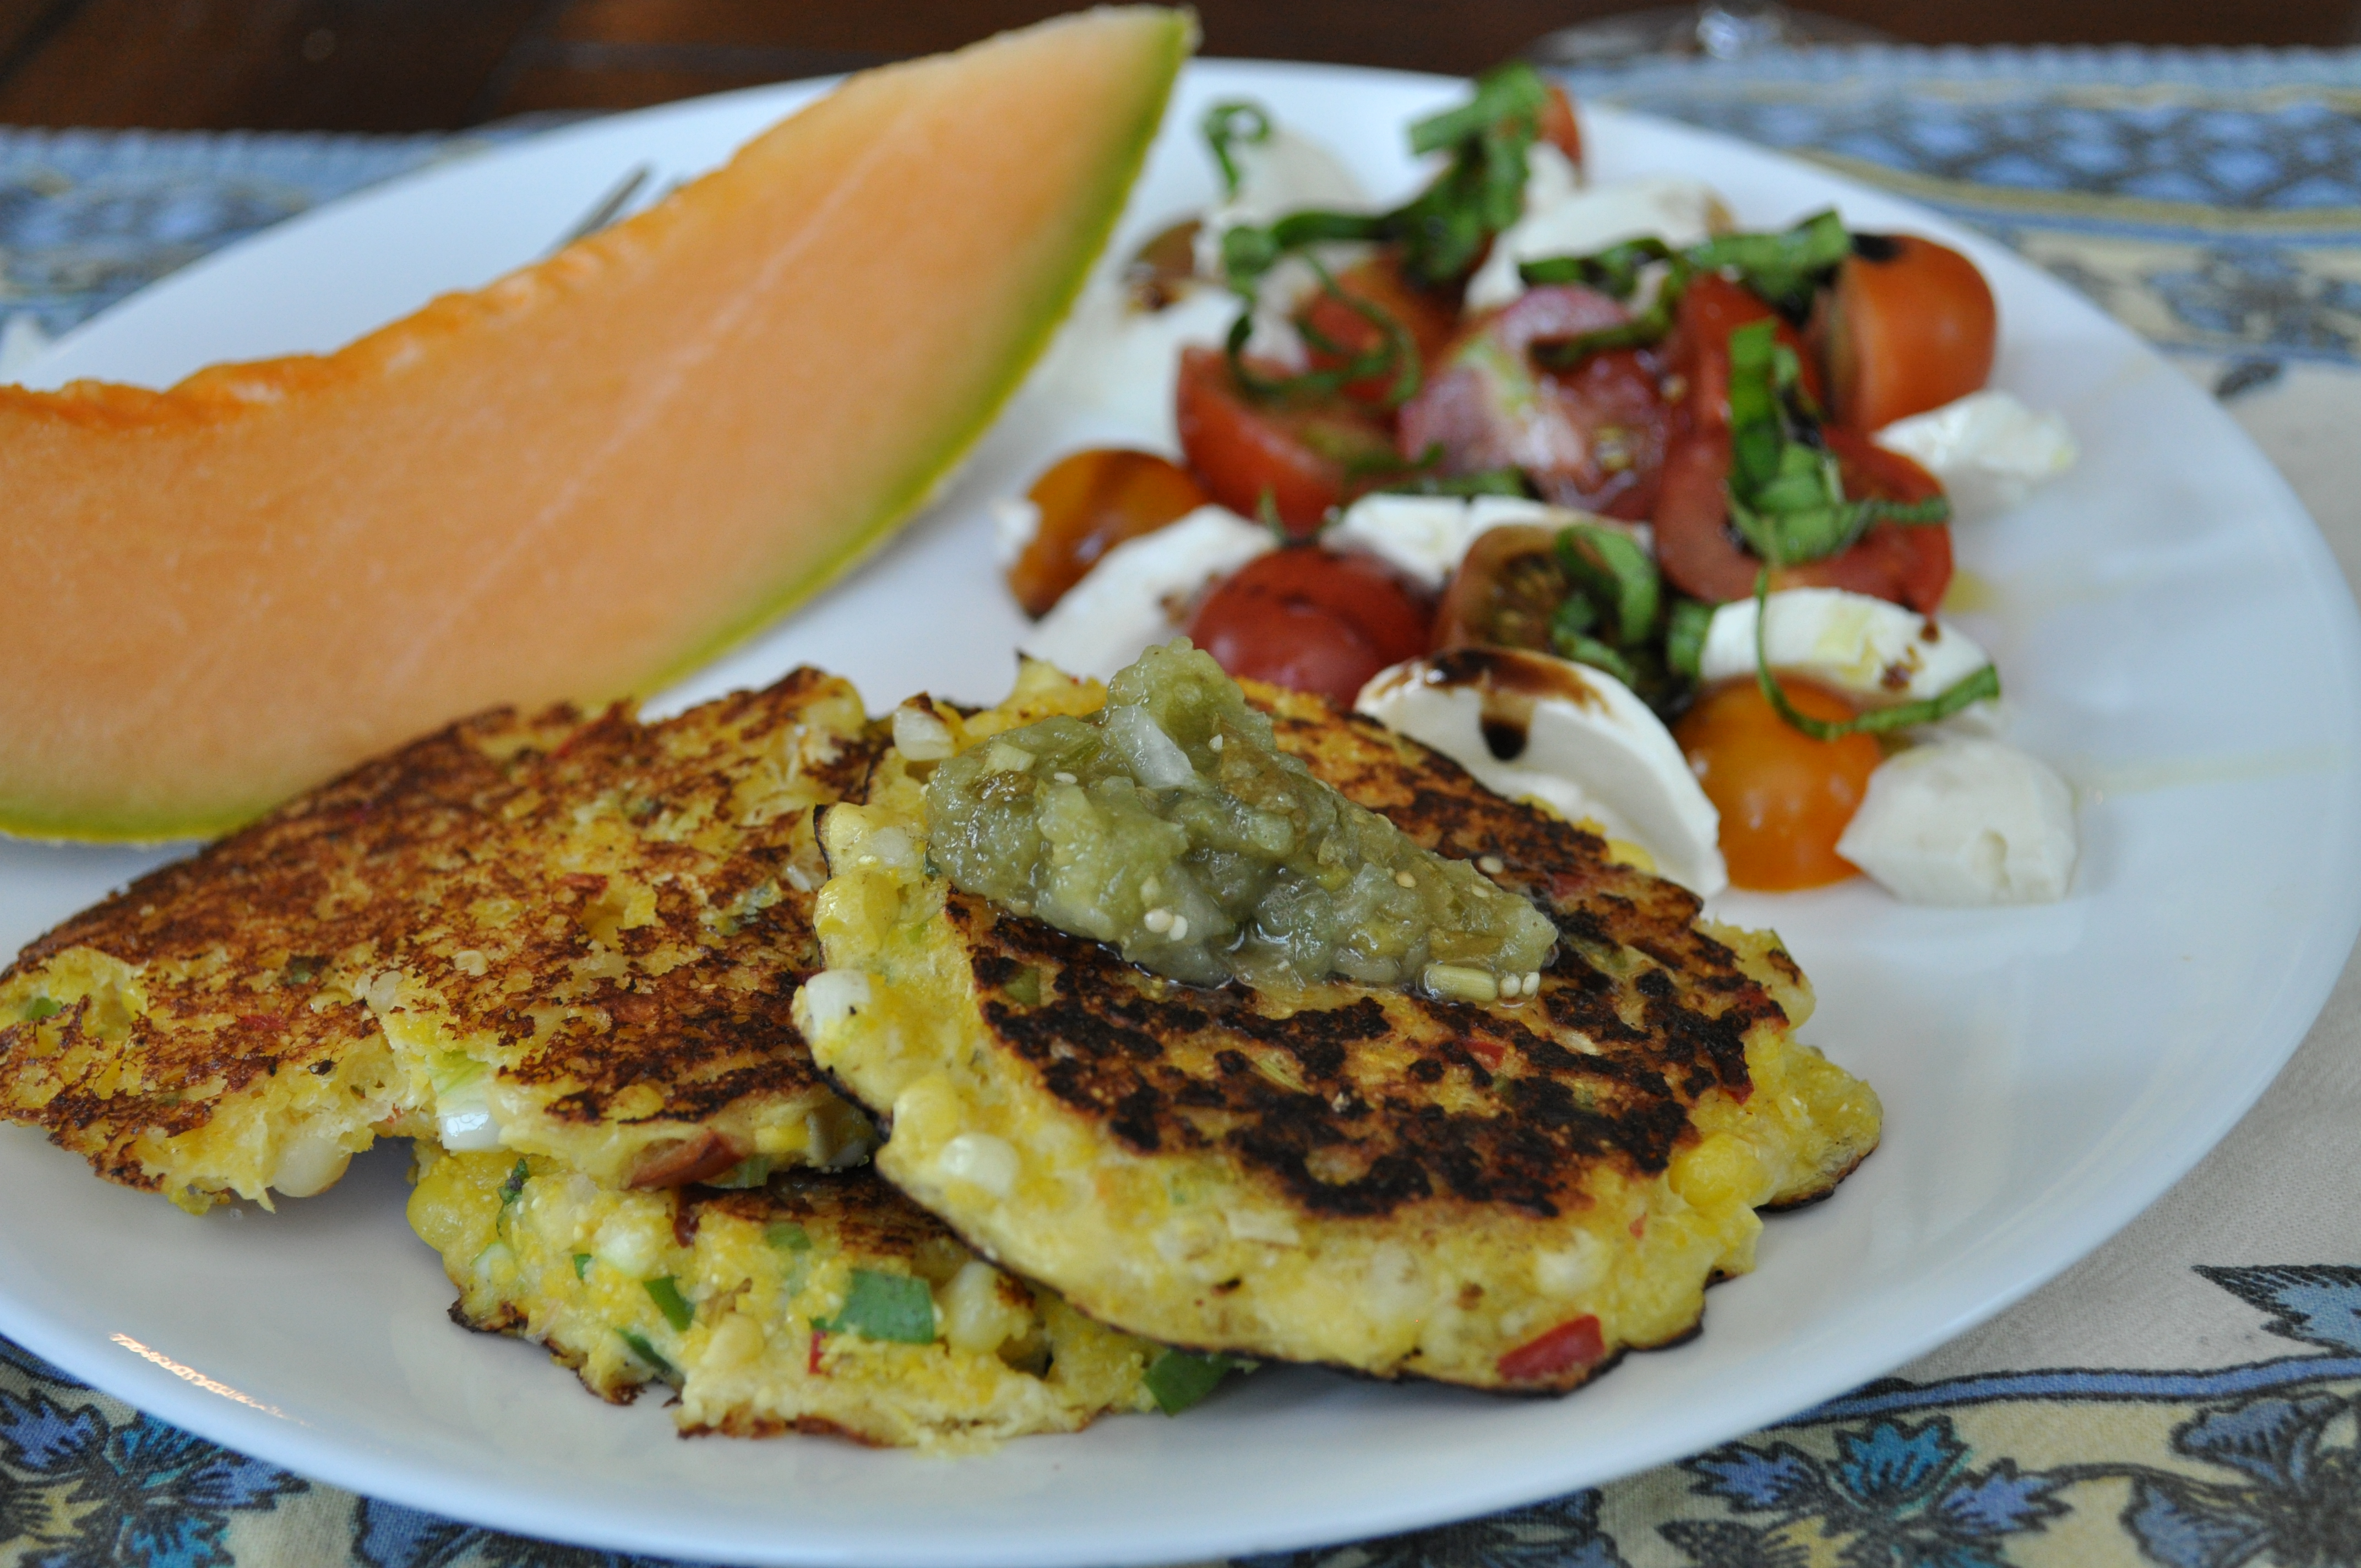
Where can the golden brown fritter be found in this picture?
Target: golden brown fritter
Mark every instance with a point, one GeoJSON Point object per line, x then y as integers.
{"type": "Point", "coordinates": [1505, 1195]}
{"type": "Point", "coordinates": [576, 937]}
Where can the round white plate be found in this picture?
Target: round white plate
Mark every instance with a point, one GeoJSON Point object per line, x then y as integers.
{"type": "Point", "coordinates": [2173, 635]}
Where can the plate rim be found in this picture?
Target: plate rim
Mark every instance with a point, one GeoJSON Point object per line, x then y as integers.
{"type": "Point", "coordinates": [181, 1396]}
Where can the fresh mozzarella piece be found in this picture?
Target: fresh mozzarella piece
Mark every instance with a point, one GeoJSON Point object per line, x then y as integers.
{"type": "Point", "coordinates": [1426, 537]}
{"type": "Point", "coordinates": [1134, 595]}
{"type": "Point", "coordinates": [1861, 645]}
{"type": "Point", "coordinates": [1014, 520]}
{"type": "Point", "coordinates": [1551, 177]}
{"type": "Point", "coordinates": [1965, 821]}
{"type": "Point", "coordinates": [1591, 748]}
{"type": "Point", "coordinates": [1987, 449]}
{"type": "Point", "coordinates": [1678, 212]}
{"type": "Point", "coordinates": [1118, 362]}
{"type": "Point", "coordinates": [1277, 176]}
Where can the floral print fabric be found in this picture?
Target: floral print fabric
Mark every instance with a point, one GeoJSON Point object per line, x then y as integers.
{"type": "Point", "coordinates": [2212, 202]}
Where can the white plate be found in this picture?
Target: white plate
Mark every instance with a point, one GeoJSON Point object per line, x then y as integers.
{"type": "Point", "coordinates": [2171, 626]}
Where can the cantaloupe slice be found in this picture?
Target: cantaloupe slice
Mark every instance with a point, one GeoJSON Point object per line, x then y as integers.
{"type": "Point", "coordinates": [575, 483]}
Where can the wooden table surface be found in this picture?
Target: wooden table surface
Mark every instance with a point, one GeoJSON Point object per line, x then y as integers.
{"type": "Point", "coordinates": [410, 65]}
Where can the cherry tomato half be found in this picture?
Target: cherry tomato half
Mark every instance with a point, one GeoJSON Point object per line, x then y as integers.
{"type": "Point", "coordinates": [1307, 458]}
{"type": "Point", "coordinates": [1785, 798]}
{"type": "Point", "coordinates": [1428, 318]}
{"type": "Point", "coordinates": [1909, 326]}
{"type": "Point", "coordinates": [1592, 437]}
{"type": "Point", "coordinates": [1312, 619]}
{"type": "Point", "coordinates": [1507, 586]}
{"type": "Point", "coordinates": [1702, 555]}
{"type": "Point", "coordinates": [1090, 503]}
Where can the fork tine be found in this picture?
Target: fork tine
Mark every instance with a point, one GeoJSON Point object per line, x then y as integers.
{"type": "Point", "coordinates": [611, 206]}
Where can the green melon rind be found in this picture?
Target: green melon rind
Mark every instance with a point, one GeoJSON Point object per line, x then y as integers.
{"type": "Point", "coordinates": [1176, 42]}
{"type": "Point", "coordinates": [1058, 294]}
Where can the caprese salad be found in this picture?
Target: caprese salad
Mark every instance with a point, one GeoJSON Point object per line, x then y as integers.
{"type": "Point", "coordinates": [1627, 510]}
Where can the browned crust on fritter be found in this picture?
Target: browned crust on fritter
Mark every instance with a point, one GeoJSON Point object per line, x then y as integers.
{"type": "Point", "coordinates": [396, 863]}
{"type": "Point", "coordinates": [278, 901]}
{"type": "Point", "coordinates": [1358, 1102]}
{"type": "Point", "coordinates": [1825, 1190]}
{"type": "Point", "coordinates": [705, 1034]}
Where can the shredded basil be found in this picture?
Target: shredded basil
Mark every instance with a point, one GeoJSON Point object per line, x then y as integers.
{"type": "Point", "coordinates": [1227, 125]}
{"type": "Point", "coordinates": [787, 1237]}
{"type": "Point", "coordinates": [1177, 1379]}
{"type": "Point", "coordinates": [1582, 649]}
{"type": "Point", "coordinates": [1267, 514]}
{"type": "Point", "coordinates": [1684, 629]}
{"type": "Point", "coordinates": [1483, 482]}
{"type": "Point", "coordinates": [1445, 229]}
{"type": "Point", "coordinates": [1785, 492]}
{"type": "Point", "coordinates": [1615, 571]}
{"type": "Point", "coordinates": [513, 1188]}
{"type": "Point", "coordinates": [1395, 351]}
{"type": "Point", "coordinates": [1442, 231]}
{"type": "Point", "coordinates": [1781, 270]}
{"type": "Point", "coordinates": [885, 1307]}
{"type": "Point", "coordinates": [581, 1265]}
{"type": "Point", "coordinates": [39, 1008]}
{"type": "Point", "coordinates": [1974, 686]}
{"type": "Point", "coordinates": [666, 1295]}
{"type": "Point", "coordinates": [1615, 271]}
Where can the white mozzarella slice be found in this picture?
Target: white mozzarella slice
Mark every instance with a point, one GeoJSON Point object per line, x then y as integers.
{"type": "Point", "coordinates": [1677, 210]}
{"type": "Point", "coordinates": [1591, 748]}
{"type": "Point", "coordinates": [1965, 822]}
{"type": "Point", "coordinates": [1134, 595]}
{"type": "Point", "coordinates": [1426, 537]}
{"type": "Point", "coordinates": [1014, 520]}
{"type": "Point", "coordinates": [1865, 646]}
{"type": "Point", "coordinates": [1551, 177]}
{"type": "Point", "coordinates": [1117, 362]}
{"type": "Point", "coordinates": [1987, 449]}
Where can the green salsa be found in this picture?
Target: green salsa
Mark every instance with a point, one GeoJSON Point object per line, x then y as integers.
{"type": "Point", "coordinates": [1171, 827]}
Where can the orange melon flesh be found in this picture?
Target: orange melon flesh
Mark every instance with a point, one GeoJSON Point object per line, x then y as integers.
{"type": "Point", "coordinates": [577, 483]}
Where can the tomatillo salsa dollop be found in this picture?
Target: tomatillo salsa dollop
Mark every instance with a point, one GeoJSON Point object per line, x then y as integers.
{"type": "Point", "coordinates": [1169, 825]}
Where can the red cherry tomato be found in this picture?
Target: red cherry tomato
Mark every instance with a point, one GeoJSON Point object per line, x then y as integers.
{"type": "Point", "coordinates": [1507, 586]}
{"type": "Point", "coordinates": [1090, 503]}
{"type": "Point", "coordinates": [1306, 458]}
{"type": "Point", "coordinates": [1785, 798]}
{"type": "Point", "coordinates": [1559, 126]}
{"type": "Point", "coordinates": [1592, 437]}
{"type": "Point", "coordinates": [1429, 319]}
{"type": "Point", "coordinates": [1909, 326]}
{"type": "Point", "coordinates": [1312, 619]}
{"type": "Point", "coordinates": [1698, 351]}
{"type": "Point", "coordinates": [1703, 556]}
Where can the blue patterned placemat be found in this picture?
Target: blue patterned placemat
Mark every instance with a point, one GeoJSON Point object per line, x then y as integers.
{"type": "Point", "coordinates": [2190, 1396]}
